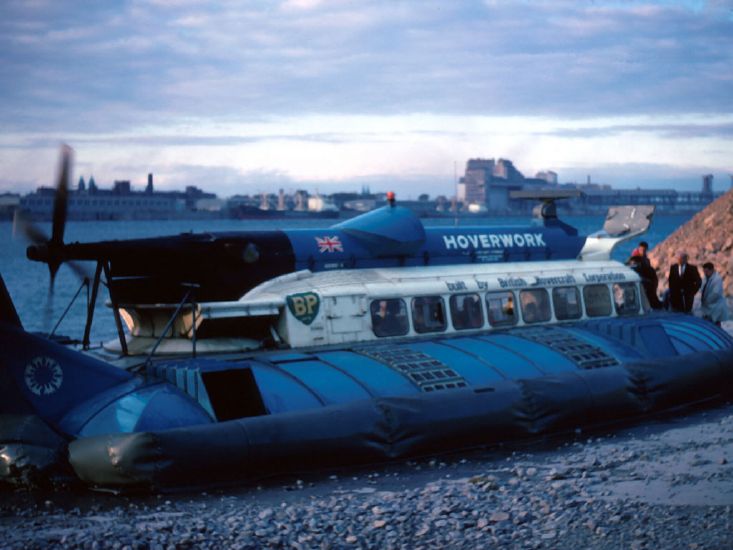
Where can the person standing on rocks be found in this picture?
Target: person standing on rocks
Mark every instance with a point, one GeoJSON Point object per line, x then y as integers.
{"type": "Point", "coordinates": [684, 282]}
{"type": "Point", "coordinates": [640, 263]}
{"type": "Point", "coordinates": [712, 300]}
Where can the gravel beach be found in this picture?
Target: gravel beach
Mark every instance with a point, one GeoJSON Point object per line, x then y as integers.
{"type": "Point", "coordinates": [665, 484]}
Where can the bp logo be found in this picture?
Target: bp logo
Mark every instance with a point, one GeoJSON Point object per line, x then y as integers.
{"type": "Point", "coordinates": [304, 306]}
{"type": "Point", "coordinates": [43, 376]}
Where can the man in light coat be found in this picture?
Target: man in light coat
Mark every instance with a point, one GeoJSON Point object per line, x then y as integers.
{"type": "Point", "coordinates": [712, 299]}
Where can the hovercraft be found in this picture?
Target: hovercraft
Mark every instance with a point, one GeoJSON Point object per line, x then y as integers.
{"type": "Point", "coordinates": [340, 366]}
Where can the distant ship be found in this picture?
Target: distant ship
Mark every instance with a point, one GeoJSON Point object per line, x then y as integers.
{"type": "Point", "coordinates": [250, 212]}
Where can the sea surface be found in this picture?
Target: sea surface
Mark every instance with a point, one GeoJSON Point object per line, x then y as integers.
{"type": "Point", "coordinates": [40, 310]}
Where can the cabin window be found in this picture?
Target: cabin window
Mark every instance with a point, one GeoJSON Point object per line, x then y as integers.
{"type": "Point", "coordinates": [597, 300]}
{"type": "Point", "coordinates": [465, 311]}
{"type": "Point", "coordinates": [566, 300]}
{"type": "Point", "coordinates": [428, 314]}
{"type": "Point", "coordinates": [625, 298]}
{"type": "Point", "coordinates": [389, 317]}
{"type": "Point", "coordinates": [500, 306]}
{"type": "Point", "coordinates": [535, 305]}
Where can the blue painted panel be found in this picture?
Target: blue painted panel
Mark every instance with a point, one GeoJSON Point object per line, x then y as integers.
{"type": "Point", "coordinates": [512, 365]}
{"type": "Point", "coordinates": [547, 360]}
{"type": "Point", "coordinates": [657, 341]}
{"type": "Point", "coordinates": [280, 392]}
{"type": "Point", "coordinates": [475, 371]}
{"type": "Point", "coordinates": [697, 332]}
{"type": "Point", "coordinates": [151, 408]}
{"type": "Point", "coordinates": [170, 408]}
{"type": "Point", "coordinates": [378, 378]}
{"type": "Point", "coordinates": [330, 384]}
{"type": "Point", "coordinates": [77, 417]}
{"type": "Point", "coordinates": [611, 346]}
{"type": "Point", "coordinates": [681, 347]}
{"type": "Point", "coordinates": [690, 340]}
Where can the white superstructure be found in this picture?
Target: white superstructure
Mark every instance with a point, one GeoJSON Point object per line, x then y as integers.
{"type": "Point", "coordinates": [305, 309]}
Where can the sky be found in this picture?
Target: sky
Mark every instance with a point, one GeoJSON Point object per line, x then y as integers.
{"type": "Point", "coordinates": [326, 95]}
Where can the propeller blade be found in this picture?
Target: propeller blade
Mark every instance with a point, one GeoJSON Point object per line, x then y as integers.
{"type": "Point", "coordinates": [60, 203]}
{"type": "Point", "coordinates": [22, 225]}
{"type": "Point", "coordinates": [48, 311]}
{"type": "Point", "coordinates": [80, 270]}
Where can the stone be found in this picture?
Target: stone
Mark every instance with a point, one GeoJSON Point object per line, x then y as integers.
{"type": "Point", "coordinates": [498, 517]}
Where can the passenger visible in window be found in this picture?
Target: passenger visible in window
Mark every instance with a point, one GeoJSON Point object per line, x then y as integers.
{"type": "Point", "coordinates": [500, 306]}
{"type": "Point", "coordinates": [566, 300]}
{"type": "Point", "coordinates": [389, 317]}
{"type": "Point", "coordinates": [508, 307]}
{"type": "Point", "coordinates": [466, 311]}
{"type": "Point", "coordinates": [428, 314]}
{"type": "Point", "coordinates": [624, 297]}
{"type": "Point", "coordinates": [597, 300]}
{"type": "Point", "coordinates": [535, 305]}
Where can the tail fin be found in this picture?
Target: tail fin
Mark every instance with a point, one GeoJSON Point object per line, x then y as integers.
{"type": "Point", "coordinates": [8, 314]}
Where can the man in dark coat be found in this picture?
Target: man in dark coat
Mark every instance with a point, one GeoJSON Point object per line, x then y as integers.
{"type": "Point", "coordinates": [648, 280]}
{"type": "Point", "coordinates": [684, 282]}
{"type": "Point", "coordinates": [640, 263]}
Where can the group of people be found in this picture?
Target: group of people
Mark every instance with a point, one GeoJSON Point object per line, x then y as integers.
{"type": "Point", "coordinates": [684, 283]}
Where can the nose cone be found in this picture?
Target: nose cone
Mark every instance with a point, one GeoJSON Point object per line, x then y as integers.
{"type": "Point", "coordinates": [38, 253]}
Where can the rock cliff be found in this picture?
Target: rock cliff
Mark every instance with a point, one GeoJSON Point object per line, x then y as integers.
{"type": "Point", "coordinates": [708, 237]}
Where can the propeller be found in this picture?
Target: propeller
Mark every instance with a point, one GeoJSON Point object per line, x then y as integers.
{"type": "Point", "coordinates": [43, 248]}
{"type": "Point", "coordinates": [60, 210]}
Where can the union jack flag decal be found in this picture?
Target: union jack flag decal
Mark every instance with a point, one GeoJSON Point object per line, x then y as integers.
{"type": "Point", "coordinates": [329, 244]}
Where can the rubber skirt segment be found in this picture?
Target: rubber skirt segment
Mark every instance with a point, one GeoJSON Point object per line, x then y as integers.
{"type": "Point", "coordinates": [375, 430]}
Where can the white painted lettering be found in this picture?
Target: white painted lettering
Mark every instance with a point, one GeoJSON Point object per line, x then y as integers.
{"type": "Point", "coordinates": [506, 240]}
{"type": "Point", "coordinates": [530, 239]}
{"type": "Point", "coordinates": [450, 241]}
{"type": "Point", "coordinates": [474, 240]}
{"type": "Point", "coordinates": [494, 241]}
{"type": "Point", "coordinates": [485, 241]}
{"type": "Point", "coordinates": [539, 240]}
{"type": "Point", "coordinates": [462, 241]}
{"type": "Point", "coordinates": [518, 240]}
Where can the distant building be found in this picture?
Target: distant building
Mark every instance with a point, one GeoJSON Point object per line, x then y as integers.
{"type": "Point", "coordinates": [88, 202]}
{"type": "Point", "coordinates": [707, 184]}
{"type": "Point", "coordinates": [549, 176]}
{"type": "Point", "coordinates": [9, 202]}
{"type": "Point", "coordinates": [121, 187]}
{"type": "Point", "coordinates": [489, 183]}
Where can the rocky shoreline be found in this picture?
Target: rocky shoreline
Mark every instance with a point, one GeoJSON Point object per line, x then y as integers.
{"type": "Point", "coordinates": [707, 237]}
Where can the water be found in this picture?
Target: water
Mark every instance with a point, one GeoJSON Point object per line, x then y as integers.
{"type": "Point", "coordinates": [28, 282]}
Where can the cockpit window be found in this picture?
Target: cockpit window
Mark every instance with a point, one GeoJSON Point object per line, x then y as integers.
{"type": "Point", "coordinates": [566, 300]}
{"type": "Point", "coordinates": [597, 300]}
{"type": "Point", "coordinates": [428, 314]}
{"type": "Point", "coordinates": [535, 305]}
{"type": "Point", "coordinates": [625, 298]}
{"type": "Point", "coordinates": [465, 311]}
{"type": "Point", "coordinates": [500, 306]}
{"type": "Point", "coordinates": [389, 317]}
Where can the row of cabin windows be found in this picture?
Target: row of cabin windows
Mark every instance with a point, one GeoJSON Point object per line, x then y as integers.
{"type": "Point", "coordinates": [390, 317]}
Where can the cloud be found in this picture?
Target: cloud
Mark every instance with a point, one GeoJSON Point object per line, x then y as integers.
{"type": "Point", "coordinates": [665, 131]}
{"type": "Point", "coordinates": [331, 90]}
